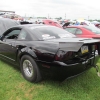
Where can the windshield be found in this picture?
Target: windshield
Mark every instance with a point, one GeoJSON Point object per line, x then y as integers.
{"type": "Point", "coordinates": [50, 32]}
{"type": "Point", "coordinates": [93, 29]}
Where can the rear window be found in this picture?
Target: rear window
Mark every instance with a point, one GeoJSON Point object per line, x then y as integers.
{"type": "Point", "coordinates": [51, 32]}
{"type": "Point", "coordinates": [71, 30]}
{"type": "Point", "coordinates": [92, 29]}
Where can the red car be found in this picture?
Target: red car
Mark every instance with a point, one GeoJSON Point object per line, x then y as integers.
{"type": "Point", "coordinates": [51, 22]}
{"type": "Point", "coordinates": [84, 31]}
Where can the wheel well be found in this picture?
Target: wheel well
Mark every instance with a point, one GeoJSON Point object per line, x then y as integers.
{"type": "Point", "coordinates": [25, 54]}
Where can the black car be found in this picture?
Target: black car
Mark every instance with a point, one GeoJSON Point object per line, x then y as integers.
{"type": "Point", "coordinates": [6, 23]}
{"type": "Point", "coordinates": [40, 49]}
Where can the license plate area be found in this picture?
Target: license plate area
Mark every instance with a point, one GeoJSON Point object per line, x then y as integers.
{"type": "Point", "coordinates": [84, 49]}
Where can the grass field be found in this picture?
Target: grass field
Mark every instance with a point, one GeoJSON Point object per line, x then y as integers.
{"type": "Point", "coordinates": [14, 87]}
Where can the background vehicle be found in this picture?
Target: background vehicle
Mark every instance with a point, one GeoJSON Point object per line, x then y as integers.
{"type": "Point", "coordinates": [51, 22]}
{"type": "Point", "coordinates": [40, 49]}
{"type": "Point", "coordinates": [84, 31]}
{"type": "Point", "coordinates": [6, 23]}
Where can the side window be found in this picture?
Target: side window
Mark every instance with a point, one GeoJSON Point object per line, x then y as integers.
{"type": "Point", "coordinates": [78, 31]}
{"type": "Point", "coordinates": [24, 36]}
{"type": "Point", "coordinates": [71, 30]}
{"type": "Point", "coordinates": [13, 34]}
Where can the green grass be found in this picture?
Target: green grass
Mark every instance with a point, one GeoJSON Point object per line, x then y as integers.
{"type": "Point", "coordinates": [14, 87]}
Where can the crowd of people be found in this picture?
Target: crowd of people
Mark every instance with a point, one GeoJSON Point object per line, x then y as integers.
{"type": "Point", "coordinates": [85, 22]}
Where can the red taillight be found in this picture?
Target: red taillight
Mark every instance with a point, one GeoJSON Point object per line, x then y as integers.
{"type": "Point", "coordinates": [62, 55]}
{"type": "Point", "coordinates": [57, 58]}
{"type": "Point", "coordinates": [59, 55]}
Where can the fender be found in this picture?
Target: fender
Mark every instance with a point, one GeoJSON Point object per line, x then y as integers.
{"type": "Point", "coordinates": [25, 51]}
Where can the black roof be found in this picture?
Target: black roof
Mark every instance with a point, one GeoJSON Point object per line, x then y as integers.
{"type": "Point", "coordinates": [32, 25]}
{"type": "Point", "coordinates": [6, 23]}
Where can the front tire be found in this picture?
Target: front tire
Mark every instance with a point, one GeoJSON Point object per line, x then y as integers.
{"type": "Point", "coordinates": [29, 69]}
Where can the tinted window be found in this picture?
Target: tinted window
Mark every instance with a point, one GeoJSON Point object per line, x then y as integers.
{"type": "Point", "coordinates": [12, 34]}
{"type": "Point", "coordinates": [24, 36]}
{"type": "Point", "coordinates": [47, 32]}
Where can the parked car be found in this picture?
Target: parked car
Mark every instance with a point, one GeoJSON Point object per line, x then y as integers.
{"type": "Point", "coordinates": [40, 49]}
{"type": "Point", "coordinates": [97, 25]}
{"type": "Point", "coordinates": [6, 23]}
{"type": "Point", "coordinates": [84, 31]}
{"type": "Point", "coordinates": [51, 22]}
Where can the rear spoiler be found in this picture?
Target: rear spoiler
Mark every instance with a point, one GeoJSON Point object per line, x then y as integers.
{"type": "Point", "coordinates": [75, 46]}
{"type": "Point", "coordinates": [70, 46]}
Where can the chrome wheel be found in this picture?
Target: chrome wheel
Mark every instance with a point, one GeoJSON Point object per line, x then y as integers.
{"type": "Point", "coordinates": [28, 68]}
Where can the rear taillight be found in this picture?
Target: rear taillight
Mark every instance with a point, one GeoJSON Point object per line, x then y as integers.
{"type": "Point", "coordinates": [59, 55]}
{"type": "Point", "coordinates": [63, 55]}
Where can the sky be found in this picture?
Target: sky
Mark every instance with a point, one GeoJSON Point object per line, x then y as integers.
{"type": "Point", "coordinates": [67, 9]}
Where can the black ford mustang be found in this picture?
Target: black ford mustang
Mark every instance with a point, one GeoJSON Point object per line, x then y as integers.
{"type": "Point", "coordinates": [39, 49]}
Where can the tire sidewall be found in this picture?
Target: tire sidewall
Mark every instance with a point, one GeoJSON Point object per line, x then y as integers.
{"type": "Point", "coordinates": [33, 78]}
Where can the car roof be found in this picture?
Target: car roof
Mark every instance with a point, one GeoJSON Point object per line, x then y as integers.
{"type": "Point", "coordinates": [33, 25]}
{"type": "Point", "coordinates": [5, 20]}
{"type": "Point", "coordinates": [30, 25]}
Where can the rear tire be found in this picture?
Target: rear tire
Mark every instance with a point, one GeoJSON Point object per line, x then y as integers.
{"type": "Point", "coordinates": [29, 69]}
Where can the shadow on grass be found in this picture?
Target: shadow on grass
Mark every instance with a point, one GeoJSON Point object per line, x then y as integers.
{"type": "Point", "coordinates": [86, 77]}
{"type": "Point", "coordinates": [16, 67]}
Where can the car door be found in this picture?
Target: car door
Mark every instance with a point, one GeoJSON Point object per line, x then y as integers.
{"type": "Point", "coordinates": [7, 44]}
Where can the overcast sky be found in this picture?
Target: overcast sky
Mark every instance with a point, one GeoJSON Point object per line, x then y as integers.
{"type": "Point", "coordinates": [69, 9]}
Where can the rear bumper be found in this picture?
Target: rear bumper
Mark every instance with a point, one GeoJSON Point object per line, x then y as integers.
{"type": "Point", "coordinates": [61, 71]}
